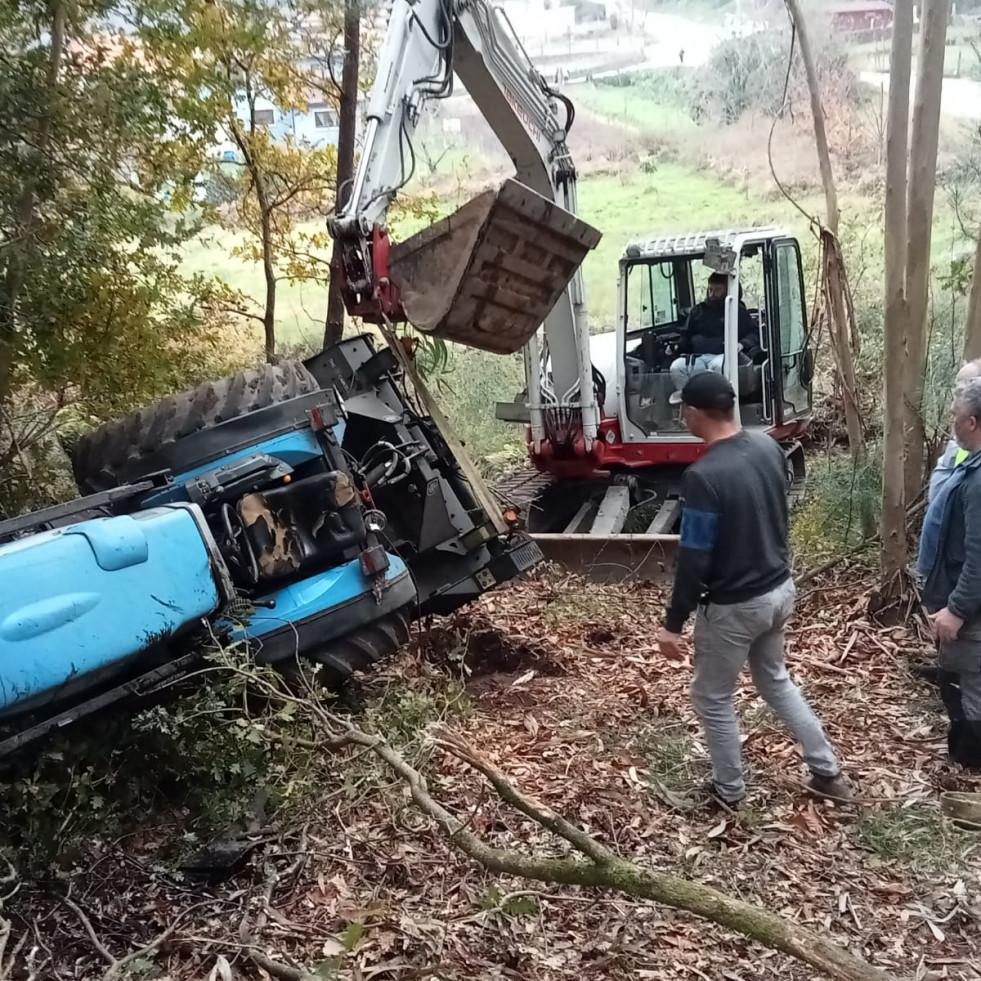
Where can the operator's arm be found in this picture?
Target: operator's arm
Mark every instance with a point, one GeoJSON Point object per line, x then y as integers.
{"type": "Point", "coordinates": [965, 601]}
{"type": "Point", "coordinates": [699, 532]}
{"type": "Point", "coordinates": [942, 471]}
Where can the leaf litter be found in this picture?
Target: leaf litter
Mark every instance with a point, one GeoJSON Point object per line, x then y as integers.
{"type": "Point", "coordinates": [566, 692]}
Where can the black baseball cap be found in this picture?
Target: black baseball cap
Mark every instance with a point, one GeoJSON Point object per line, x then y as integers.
{"type": "Point", "coordinates": [709, 390]}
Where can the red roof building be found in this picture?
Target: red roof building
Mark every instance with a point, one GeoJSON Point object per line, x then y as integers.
{"type": "Point", "coordinates": [861, 16]}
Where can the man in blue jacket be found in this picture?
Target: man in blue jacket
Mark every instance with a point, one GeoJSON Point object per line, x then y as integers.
{"type": "Point", "coordinates": [951, 458]}
{"type": "Point", "coordinates": [950, 562]}
{"type": "Point", "coordinates": [953, 455]}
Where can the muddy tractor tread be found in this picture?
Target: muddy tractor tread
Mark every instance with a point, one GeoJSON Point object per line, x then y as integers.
{"type": "Point", "coordinates": [113, 453]}
{"type": "Point", "coordinates": [336, 662]}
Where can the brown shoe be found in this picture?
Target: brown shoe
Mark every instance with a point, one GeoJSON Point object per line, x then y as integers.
{"type": "Point", "coordinates": [836, 788]}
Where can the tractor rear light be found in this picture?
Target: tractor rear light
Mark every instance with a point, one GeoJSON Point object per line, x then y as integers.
{"type": "Point", "coordinates": [374, 560]}
{"type": "Point", "coordinates": [322, 416]}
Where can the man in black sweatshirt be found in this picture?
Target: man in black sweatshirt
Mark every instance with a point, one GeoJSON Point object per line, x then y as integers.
{"type": "Point", "coordinates": [734, 567]}
{"type": "Point", "coordinates": [703, 340]}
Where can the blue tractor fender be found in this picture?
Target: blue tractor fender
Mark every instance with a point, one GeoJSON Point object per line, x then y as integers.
{"type": "Point", "coordinates": [79, 603]}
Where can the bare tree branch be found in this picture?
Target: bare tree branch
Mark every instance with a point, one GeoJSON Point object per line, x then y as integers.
{"type": "Point", "coordinates": [601, 867]}
{"type": "Point", "coordinates": [118, 965]}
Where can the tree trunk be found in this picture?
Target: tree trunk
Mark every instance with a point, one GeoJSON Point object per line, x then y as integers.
{"type": "Point", "coordinates": [258, 177]}
{"type": "Point", "coordinates": [919, 207]}
{"type": "Point", "coordinates": [972, 332]}
{"type": "Point", "coordinates": [269, 272]}
{"type": "Point", "coordinates": [348, 111]}
{"type": "Point", "coordinates": [894, 554]}
{"type": "Point", "coordinates": [833, 274]}
{"type": "Point", "coordinates": [817, 111]}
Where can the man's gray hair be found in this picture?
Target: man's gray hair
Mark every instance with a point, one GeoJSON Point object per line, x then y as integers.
{"type": "Point", "coordinates": [969, 395]}
{"type": "Point", "coordinates": [973, 367]}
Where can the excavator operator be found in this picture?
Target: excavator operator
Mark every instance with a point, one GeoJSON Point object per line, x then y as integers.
{"type": "Point", "coordinates": [702, 343]}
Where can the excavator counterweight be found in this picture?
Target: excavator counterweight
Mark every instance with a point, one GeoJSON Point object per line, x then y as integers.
{"type": "Point", "coordinates": [489, 274]}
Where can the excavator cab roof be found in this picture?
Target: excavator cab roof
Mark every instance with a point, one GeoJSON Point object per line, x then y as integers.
{"type": "Point", "coordinates": [693, 244]}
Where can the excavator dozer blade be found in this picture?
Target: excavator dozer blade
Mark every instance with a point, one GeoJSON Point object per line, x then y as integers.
{"type": "Point", "coordinates": [489, 274]}
{"type": "Point", "coordinates": [612, 558]}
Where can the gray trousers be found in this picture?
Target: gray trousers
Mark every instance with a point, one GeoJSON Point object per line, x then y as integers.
{"type": "Point", "coordinates": [726, 637]}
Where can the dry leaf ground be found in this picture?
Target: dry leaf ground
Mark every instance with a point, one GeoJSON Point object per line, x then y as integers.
{"type": "Point", "coordinates": [560, 684]}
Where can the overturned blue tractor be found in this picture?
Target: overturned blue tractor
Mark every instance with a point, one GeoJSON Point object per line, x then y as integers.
{"type": "Point", "coordinates": [307, 510]}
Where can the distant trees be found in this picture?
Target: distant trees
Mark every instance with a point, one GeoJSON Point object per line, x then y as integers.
{"type": "Point", "coordinates": [99, 154]}
{"type": "Point", "coordinates": [243, 57]}
{"type": "Point", "coordinates": [749, 74]}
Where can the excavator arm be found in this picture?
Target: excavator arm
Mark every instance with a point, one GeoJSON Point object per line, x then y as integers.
{"type": "Point", "coordinates": [492, 272]}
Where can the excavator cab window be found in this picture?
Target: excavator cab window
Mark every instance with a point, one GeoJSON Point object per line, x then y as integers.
{"type": "Point", "coordinates": [652, 296]}
{"type": "Point", "coordinates": [659, 296]}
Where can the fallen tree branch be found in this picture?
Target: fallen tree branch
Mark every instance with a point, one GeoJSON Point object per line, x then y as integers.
{"type": "Point", "coordinates": [90, 930]}
{"type": "Point", "coordinates": [117, 965]}
{"type": "Point", "coordinates": [601, 867]}
{"type": "Point", "coordinates": [276, 969]}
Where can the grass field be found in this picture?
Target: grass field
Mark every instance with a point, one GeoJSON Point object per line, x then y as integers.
{"type": "Point", "coordinates": [625, 207]}
{"type": "Point", "coordinates": [632, 107]}
{"type": "Point", "coordinates": [961, 59]}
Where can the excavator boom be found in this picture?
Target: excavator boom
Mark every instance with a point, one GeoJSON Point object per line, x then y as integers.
{"type": "Point", "coordinates": [607, 436]}
{"type": "Point", "coordinates": [492, 273]}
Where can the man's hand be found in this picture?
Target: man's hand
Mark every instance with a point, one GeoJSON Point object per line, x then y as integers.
{"type": "Point", "coordinates": [946, 626]}
{"type": "Point", "coordinates": [672, 645]}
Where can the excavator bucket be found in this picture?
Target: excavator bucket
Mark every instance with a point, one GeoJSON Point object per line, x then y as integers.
{"type": "Point", "coordinates": [489, 274]}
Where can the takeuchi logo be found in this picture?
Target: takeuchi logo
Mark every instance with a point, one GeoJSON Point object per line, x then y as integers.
{"type": "Point", "coordinates": [522, 113]}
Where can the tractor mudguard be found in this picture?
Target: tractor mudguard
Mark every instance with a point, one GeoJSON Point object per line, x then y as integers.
{"type": "Point", "coordinates": [336, 620]}
{"type": "Point", "coordinates": [80, 602]}
{"type": "Point", "coordinates": [300, 617]}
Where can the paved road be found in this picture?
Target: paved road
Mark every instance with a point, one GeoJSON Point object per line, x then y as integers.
{"type": "Point", "coordinates": [961, 97]}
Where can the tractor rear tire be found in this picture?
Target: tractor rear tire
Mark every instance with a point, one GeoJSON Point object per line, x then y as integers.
{"type": "Point", "coordinates": [122, 451]}
{"type": "Point", "coordinates": [335, 663]}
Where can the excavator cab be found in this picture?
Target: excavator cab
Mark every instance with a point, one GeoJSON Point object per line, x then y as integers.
{"type": "Point", "coordinates": [663, 322]}
{"type": "Point", "coordinates": [612, 509]}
